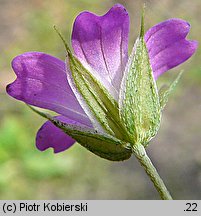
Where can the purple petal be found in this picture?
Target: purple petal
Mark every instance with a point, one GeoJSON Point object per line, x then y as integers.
{"type": "Point", "coordinates": [41, 81]}
{"type": "Point", "coordinates": [49, 136]}
{"type": "Point", "coordinates": [167, 45]}
{"type": "Point", "coordinates": [102, 43]}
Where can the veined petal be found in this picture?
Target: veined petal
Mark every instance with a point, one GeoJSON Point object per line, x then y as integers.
{"type": "Point", "coordinates": [167, 45]}
{"type": "Point", "coordinates": [50, 136]}
{"type": "Point", "coordinates": [102, 43]}
{"type": "Point", "coordinates": [41, 81]}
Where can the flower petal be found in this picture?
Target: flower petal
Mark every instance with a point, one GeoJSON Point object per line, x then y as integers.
{"type": "Point", "coordinates": [102, 43]}
{"type": "Point", "coordinates": [167, 45]}
{"type": "Point", "coordinates": [50, 136]}
{"type": "Point", "coordinates": [41, 81]}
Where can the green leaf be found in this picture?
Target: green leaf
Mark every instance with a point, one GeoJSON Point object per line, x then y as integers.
{"type": "Point", "coordinates": [165, 91]}
{"type": "Point", "coordinates": [139, 100]}
{"type": "Point", "coordinates": [103, 145]}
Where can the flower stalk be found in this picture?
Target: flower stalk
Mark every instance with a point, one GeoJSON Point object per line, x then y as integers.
{"type": "Point", "coordinates": [141, 155]}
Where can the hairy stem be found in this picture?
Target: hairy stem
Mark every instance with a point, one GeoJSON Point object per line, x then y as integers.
{"type": "Point", "coordinates": [141, 155]}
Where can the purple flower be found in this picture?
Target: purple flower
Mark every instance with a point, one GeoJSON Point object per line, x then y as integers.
{"type": "Point", "coordinates": [101, 44]}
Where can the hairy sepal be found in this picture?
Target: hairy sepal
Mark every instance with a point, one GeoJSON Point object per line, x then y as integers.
{"type": "Point", "coordinates": [103, 145]}
{"type": "Point", "coordinates": [99, 100]}
{"type": "Point", "coordinates": [166, 91]}
{"type": "Point", "coordinates": [139, 101]}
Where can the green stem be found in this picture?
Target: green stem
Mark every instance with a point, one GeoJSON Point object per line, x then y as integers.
{"type": "Point", "coordinates": [141, 155]}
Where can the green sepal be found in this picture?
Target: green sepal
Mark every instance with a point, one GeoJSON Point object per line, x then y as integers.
{"type": "Point", "coordinates": [166, 90]}
{"type": "Point", "coordinates": [100, 102]}
{"type": "Point", "coordinates": [139, 100]}
{"type": "Point", "coordinates": [103, 145]}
